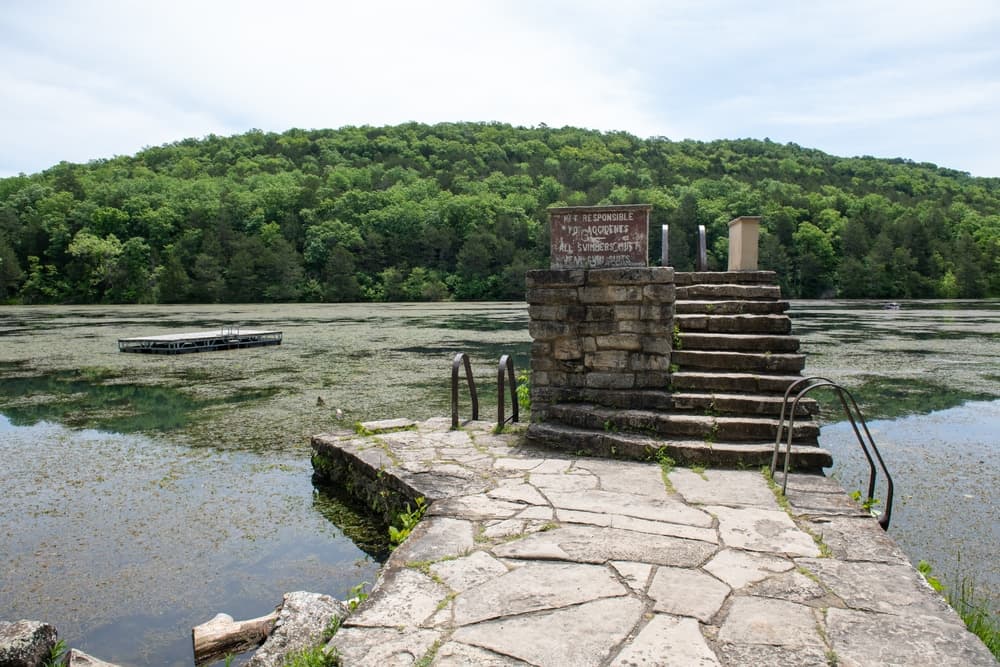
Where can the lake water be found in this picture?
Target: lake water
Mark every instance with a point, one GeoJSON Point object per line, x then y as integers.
{"type": "Point", "coordinates": [144, 493]}
{"type": "Point", "coordinates": [928, 379]}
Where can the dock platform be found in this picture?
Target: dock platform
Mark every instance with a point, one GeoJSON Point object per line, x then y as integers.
{"type": "Point", "coordinates": [227, 338]}
{"type": "Point", "coordinates": [534, 557]}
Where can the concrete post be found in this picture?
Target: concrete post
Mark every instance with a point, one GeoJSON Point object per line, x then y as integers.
{"type": "Point", "coordinates": [744, 233]}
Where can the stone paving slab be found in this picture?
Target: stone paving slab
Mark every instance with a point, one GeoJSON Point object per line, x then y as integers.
{"type": "Point", "coordinates": [528, 557]}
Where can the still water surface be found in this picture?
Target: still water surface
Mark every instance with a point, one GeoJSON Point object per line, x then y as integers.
{"type": "Point", "coordinates": [143, 494]}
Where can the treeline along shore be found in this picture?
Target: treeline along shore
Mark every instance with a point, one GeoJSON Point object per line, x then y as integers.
{"type": "Point", "coordinates": [458, 211]}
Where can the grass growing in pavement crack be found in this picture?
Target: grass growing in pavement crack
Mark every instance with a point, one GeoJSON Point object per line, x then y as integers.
{"type": "Point", "coordinates": [428, 658]}
{"type": "Point", "coordinates": [667, 466]}
{"type": "Point", "coordinates": [824, 548]}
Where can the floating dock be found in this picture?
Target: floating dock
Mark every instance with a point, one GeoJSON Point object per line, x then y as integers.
{"type": "Point", "coordinates": [203, 341]}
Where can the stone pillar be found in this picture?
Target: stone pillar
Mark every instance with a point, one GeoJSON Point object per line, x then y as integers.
{"type": "Point", "coordinates": [598, 330]}
{"type": "Point", "coordinates": [744, 233]}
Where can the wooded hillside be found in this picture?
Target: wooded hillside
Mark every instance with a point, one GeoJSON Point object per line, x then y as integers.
{"type": "Point", "coordinates": [415, 212]}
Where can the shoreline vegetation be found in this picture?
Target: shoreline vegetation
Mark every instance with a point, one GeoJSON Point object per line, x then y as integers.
{"type": "Point", "coordinates": [458, 211]}
{"type": "Point", "coordinates": [964, 594]}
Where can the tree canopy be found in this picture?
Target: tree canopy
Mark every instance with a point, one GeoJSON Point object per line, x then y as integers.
{"type": "Point", "coordinates": [458, 210]}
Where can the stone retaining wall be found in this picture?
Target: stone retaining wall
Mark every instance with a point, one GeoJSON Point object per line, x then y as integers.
{"type": "Point", "coordinates": [598, 331]}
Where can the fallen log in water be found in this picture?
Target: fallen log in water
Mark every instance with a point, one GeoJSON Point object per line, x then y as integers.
{"type": "Point", "coordinates": [222, 635]}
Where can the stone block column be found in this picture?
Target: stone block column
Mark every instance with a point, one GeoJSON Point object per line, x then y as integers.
{"type": "Point", "coordinates": [598, 330]}
{"type": "Point", "coordinates": [744, 235]}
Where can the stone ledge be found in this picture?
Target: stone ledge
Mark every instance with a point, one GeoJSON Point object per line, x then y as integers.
{"type": "Point", "coordinates": [733, 277]}
{"type": "Point", "coordinates": [556, 559]}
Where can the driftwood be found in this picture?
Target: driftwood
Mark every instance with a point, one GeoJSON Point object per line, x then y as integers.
{"type": "Point", "coordinates": [223, 635]}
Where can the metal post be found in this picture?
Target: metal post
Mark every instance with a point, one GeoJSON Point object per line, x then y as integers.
{"type": "Point", "coordinates": [665, 247]}
{"type": "Point", "coordinates": [702, 250]}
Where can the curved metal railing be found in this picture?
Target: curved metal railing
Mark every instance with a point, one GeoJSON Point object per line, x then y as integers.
{"type": "Point", "coordinates": [460, 359]}
{"type": "Point", "coordinates": [850, 410]}
{"type": "Point", "coordinates": [506, 363]}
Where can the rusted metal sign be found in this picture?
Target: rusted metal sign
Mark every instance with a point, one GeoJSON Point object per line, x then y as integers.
{"type": "Point", "coordinates": [593, 237]}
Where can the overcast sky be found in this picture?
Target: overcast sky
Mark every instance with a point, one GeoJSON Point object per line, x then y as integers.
{"type": "Point", "coordinates": [86, 79]}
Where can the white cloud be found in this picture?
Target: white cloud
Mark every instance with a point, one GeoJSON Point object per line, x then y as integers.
{"type": "Point", "coordinates": [84, 80]}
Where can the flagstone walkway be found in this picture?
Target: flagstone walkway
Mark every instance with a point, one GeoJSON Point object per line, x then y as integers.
{"type": "Point", "coordinates": [527, 557]}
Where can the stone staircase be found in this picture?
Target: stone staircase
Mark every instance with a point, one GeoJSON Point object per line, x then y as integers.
{"type": "Point", "coordinates": [732, 361]}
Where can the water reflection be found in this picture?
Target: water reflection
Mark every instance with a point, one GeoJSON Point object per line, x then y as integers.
{"type": "Point", "coordinates": [124, 542]}
{"type": "Point", "coordinates": [886, 398]}
{"type": "Point", "coordinates": [362, 527]}
{"type": "Point", "coordinates": [943, 466]}
{"type": "Point", "coordinates": [90, 398]}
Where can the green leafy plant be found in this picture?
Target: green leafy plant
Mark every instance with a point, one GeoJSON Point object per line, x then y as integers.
{"type": "Point", "coordinates": [925, 568]}
{"type": "Point", "coordinates": [357, 595]}
{"type": "Point", "coordinates": [524, 390]}
{"type": "Point", "coordinates": [713, 433]}
{"type": "Point", "coordinates": [867, 504]}
{"type": "Point", "coordinates": [56, 654]}
{"type": "Point", "coordinates": [313, 657]}
{"type": "Point", "coordinates": [332, 627]}
{"type": "Point", "coordinates": [678, 343]}
{"type": "Point", "coordinates": [407, 521]}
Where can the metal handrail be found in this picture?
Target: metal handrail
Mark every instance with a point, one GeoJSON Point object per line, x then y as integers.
{"type": "Point", "coordinates": [816, 382]}
{"type": "Point", "coordinates": [506, 363]}
{"type": "Point", "coordinates": [462, 358]}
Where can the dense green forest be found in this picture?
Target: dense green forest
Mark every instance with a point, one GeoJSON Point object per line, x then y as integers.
{"type": "Point", "coordinates": [426, 212]}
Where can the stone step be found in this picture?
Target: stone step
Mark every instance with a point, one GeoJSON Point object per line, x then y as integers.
{"type": "Point", "coordinates": [684, 278]}
{"type": "Point", "coordinates": [705, 402]}
{"type": "Point", "coordinates": [750, 383]}
{"type": "Point", "coordinates": [746, 324]}
{"type": "Point", "coordinates": [739, 404]}
{"type": "Point", "coordinates": [708, 427]}
{"type": "Point", "coordinates": [691, 340]}
{"type": "Point", "coordinates": [642, 399]}
{"type": "Point", "coordinates": [738, 361]}
{"type": "Point", "coordinates": [737, 307]}
{"type": "Point", "coordinates": [683, 451]}
{"type": "Point", "coordinates": [724, 291]}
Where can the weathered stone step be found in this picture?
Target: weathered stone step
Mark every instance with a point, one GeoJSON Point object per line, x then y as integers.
{"type": "Point", "coordinates": [751, 383]}
{"type": "Point", "coordinates": [691, 340]}
{"type": "Point", "coordinates": [682, 451]}
{"type": "Point", "coordinates": [747, 324]}
{"type": "Point", "coordinates": [683, 278]}
{"type": "Point", "coordinates": [728, 291]}
{"type": "Point", "coordinates": [737, 307]}
{"type": "Point", "coordinates": [740, 404]}
{"type": "Point", "coordinates": [707, 427]}
{"type": "Point", "coordinates": [706, 402]}
{"type": "Point", "coordinates": [738, 361]}
{"type": "Point", "coordinates": [641, 399]}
